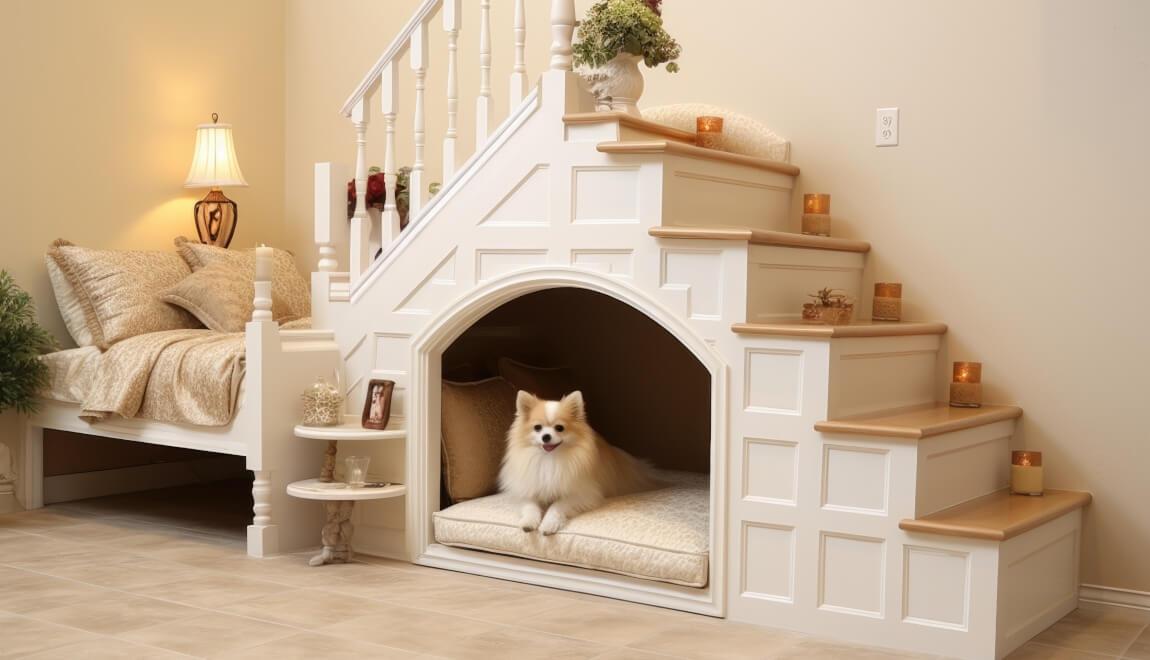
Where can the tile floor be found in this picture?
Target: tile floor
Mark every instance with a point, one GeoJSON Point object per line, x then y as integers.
{"type": "Point", "coordinates": [164, 575]}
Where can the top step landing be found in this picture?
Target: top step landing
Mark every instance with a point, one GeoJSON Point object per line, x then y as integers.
{"type": "Point", "coordinates": [630, 125]}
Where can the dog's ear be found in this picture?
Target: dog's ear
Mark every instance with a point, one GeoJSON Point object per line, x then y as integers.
{"type": "Point", "coordinates": [573, 402]}
{"type": "Point", "coordinates": [524, 402]}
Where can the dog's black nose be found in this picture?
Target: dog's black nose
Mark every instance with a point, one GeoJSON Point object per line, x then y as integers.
{"type": "Point", "coordinates": [546, 438]}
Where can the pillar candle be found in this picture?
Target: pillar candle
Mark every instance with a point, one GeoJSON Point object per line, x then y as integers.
{"type": "Point", "coordinates": [966, 386]}
{"type": "Point", "coordinates": [887, 302]}
{"type": "Point", "coordinates": [264, 260]}
{"type": "Point", "coordinates": [709, 132]}
{"type": "Point", "coordinates": [1026, 472]}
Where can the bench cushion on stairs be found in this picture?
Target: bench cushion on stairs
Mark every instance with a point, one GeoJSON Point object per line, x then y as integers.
{"type": "Point", "coordinates": [657, 535]}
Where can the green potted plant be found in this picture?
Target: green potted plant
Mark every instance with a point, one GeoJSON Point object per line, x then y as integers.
{"type": "Point", "coordinates": [612, 39]}
{"type": "Point", "coordinates": [22, 341]}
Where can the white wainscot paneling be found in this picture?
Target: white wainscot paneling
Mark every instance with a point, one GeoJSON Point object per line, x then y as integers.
{"type": "Point", "coordinates": [697, 276]}
{"type": "Point", "coordinates": [610, 262]}
{"type": "Point", "coordinates": [888, 372]}
{"type": "Point", "coordinates": [856, 479]}
{"type": "Point", "coordinates": [392, 353]}
{"type": "Point", "coordinates": [493, 263]}
{"type": "Point", "coordinates": [768, 569]}
{"type": "Point", "coordinates": [770, 471]}
{"type": "Point", "coordinates": [527, 205]}
{"type": "Point", "coordinates": [852, 574]}
{"type": "Point", "coordinates": [779, 279]}
{"type": "Point", "coordinates": [605, 195]}
{"type": "Point", "coordinates": [936, 587]}
{"type": "Point", "coordinates": [433, 290]}
{"type": "Point", "coordinates": [957, 467]}
{"type": "Point", "coordinates": [774, 381]}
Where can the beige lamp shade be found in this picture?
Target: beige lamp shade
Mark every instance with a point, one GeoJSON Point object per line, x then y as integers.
{"type": "Point", "coordinates": [214, 164]}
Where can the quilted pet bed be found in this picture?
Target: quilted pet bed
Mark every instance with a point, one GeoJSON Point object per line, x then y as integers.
{"type": "Point", "coordinates": [657, 535]}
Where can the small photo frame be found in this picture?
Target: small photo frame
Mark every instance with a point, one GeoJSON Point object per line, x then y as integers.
{"type": "Point", "coordinates": [377, 404]}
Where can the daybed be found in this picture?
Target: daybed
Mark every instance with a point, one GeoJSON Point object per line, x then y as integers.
{"type": "Point", "coordinates": [146, 373]}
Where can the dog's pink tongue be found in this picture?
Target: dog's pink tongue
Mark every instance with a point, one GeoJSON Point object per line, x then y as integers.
{"type": "Point", "coordinates": [549, 448]}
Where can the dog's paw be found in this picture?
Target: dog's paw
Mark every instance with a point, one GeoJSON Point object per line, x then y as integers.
{"type": "Point", "coordinates": [551, 524]}
{"type": "Point", "coordinates": [529, 521]}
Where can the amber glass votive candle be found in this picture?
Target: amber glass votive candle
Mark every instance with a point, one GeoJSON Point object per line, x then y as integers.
{"type": "Point", "coordinates": [966, 385]}
{"type": "Point", "coordinates": [709, 132]}
{"type": "Point", "coordinates": [817, 214]}
{"type": "Point", "coordinates": [887, 301]}
{"type": "Point", "coordinates": [1026, 472]}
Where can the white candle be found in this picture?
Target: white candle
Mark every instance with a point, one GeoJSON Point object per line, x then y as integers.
{"type": "Point", "coordinates": [264, 261]}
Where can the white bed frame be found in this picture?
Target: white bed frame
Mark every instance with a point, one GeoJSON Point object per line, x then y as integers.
{"type": "Point", "coordinates": [280, 364]}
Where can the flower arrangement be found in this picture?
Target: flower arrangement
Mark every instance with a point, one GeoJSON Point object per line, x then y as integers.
{"type": "Point", "coordinates": [634, 27]}
{"type": "Point", "coordinates": [22, 340]}
{"type": "Point", "coordinates": [377, 189]}
{"type": "Point", "coordinates": [830, 306]}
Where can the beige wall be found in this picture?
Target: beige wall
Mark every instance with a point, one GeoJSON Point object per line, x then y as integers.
{"type": "Point", "coordinates": [99, 110]}
{"type": "Point", "coordinates": [1009, 210]}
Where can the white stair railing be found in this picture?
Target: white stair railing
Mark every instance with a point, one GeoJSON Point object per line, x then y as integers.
{"type": "Point", "coordinates": [383, 78]}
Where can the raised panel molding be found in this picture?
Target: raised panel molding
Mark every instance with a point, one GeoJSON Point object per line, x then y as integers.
{"type": "Point", "coordinates": [855, 479]}
{"type": "Point", "coordinates": [493, 263]}
{"type": "Point", "coordinates": [936, 587]}
{"type": "Point", "coordinates": [605, 195]}
{"type": "Point", "coordinates": [768, 556]}
{"type": "Point", "coordinates": [611, 262]}
{"type": "Point", "coordinates": [852, 574]}
{"type": "Point", "coordinates": [432, 289]}
{"type": "Point", "coordinates": [527, 205]}
{"type": "Point", "coordinates": [391, 353]}
{"type": "Point", "coordinates": [698, 274]}
{"type": "Point", "coordinates": [770, 471]}
{"type": "Point", "coordinates": [773, 381]}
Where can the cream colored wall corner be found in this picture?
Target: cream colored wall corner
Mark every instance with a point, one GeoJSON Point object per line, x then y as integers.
{"type": "Point", "coordinates": [99, 107]}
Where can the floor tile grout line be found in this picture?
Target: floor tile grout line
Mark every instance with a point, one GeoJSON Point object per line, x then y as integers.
{"type": "Point", "coordinates": [89, 632]}
{"type": "Point", "coordinates": [1126, 649]}
{"type": "Point", "coordinates": [1048, 645]}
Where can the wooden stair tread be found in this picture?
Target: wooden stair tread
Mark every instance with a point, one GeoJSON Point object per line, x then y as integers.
{"type": "Point", "coordinates": [999, 515]}
{"type": "Point", "coordinates": [631, 121]}
{"type": "Point", "coordinates": [679, 148]}
{"type": "Point", "coordinates": [761, 237]}
{"type": "Point", "coordinates": [919, 422]}
{"type": "Point", "coordinates": [855, 329]}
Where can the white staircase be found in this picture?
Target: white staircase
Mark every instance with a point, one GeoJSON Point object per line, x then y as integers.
{"type": "Point", "coordinates": [845, 502]}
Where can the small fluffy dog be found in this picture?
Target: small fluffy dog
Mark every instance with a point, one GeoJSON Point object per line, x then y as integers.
{"type": "Point", "coordinates": [556, 463]}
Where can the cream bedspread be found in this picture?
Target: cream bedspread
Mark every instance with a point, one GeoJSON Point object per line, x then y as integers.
{"type": "Point", "coordinates": [179, 376]}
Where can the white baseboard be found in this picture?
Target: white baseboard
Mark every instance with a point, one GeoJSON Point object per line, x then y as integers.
{"type": "Point", "coordinates": [1093, 593]}
{"type": "Point", "coordinates": [68, 487]}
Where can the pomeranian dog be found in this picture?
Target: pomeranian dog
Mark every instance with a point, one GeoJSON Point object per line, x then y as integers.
{"type": "Point", "coordinates": [560, 467]}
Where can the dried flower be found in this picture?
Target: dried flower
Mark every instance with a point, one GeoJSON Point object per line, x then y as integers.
{"type": "Point", "coordinates": [625, 26]}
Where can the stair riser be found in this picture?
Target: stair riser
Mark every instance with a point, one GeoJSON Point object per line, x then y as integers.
{"type": "Point", "coordinates": [614, 132]}
{"type": "Point", "coordinates": [881, 373]}
{"type": "Point", "coordinates": [956, 467]}
{"type": "Point", "coordinates": [705, 193]}
{"type": "Point", "coordinates": [779, 280]}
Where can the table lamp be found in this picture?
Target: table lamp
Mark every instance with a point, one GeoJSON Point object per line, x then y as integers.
{"type": "Point", "coordinates": [214, 165]}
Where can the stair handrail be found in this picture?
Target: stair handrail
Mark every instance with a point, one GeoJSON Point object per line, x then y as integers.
{"type": "Point", "coordinates": [383, 76]}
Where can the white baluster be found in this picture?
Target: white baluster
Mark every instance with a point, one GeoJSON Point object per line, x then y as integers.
{"type": "Point", "coordinates": [361, 220]}
{"type": "Point", "coordinates": [451, 12]}
{"type": "Point", "coordinates": [389, 99]}
{"type": "Point", "coordinates": [562, 28]}
{"type": "Point", "coordinates": [483, 103]}
{"type": "Point", "coordinates": [330, 205]}
{"type": "Point", "coordinates": [519, 73]}
{"type": "Point", "coordinates": [416, 189]}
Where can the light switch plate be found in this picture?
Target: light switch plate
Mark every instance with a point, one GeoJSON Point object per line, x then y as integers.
{"type": "Point", "coordinates": [886, 127]}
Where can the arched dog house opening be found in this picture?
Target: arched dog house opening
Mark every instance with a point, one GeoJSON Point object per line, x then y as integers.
{"type": "Point", "coordinates": [652, 387]}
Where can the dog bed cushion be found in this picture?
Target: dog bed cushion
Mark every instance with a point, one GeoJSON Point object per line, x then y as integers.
{"type": "Point", "coordinates": [656, 535]}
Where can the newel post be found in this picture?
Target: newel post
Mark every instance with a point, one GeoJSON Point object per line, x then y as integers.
{"type": "Point", "coordinates": [562, 31]}
{"type": "Point", "coordinates": [330, 204]}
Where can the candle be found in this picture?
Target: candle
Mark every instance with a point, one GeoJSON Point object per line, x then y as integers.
{"type": "Point", "coordinates": [709, 132]}
{"type": "Point", "coordinates": [264, 260]}
{"type": "Point", "coordinates": [887, 301]}
{"type": "Point", "coordinates": [966, 385]}
{"type": "Point", "coordinates": [1026, 472]}
{"type": "Point", "coordinates": [817, 214]}
{"type": "Point", "coordinates": [817, 203]}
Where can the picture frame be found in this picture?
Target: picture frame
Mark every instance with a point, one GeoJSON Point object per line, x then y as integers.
{"type": "Point", "coordinates": [377, 404]}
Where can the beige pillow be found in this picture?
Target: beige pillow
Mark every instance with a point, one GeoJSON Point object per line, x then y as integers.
{"type": "Point", "coordinates": [290, 297]}
{"type": "Point", "coordinates": [69, 304]}
{"type": "Point", "coordinates": [475, 420]}
{"type": "Point", "coordinates": [219, 295]}
{"type": "Point", "coordinates": [118, 291]}
{"type": "Point", "coordinates": [549, 383]}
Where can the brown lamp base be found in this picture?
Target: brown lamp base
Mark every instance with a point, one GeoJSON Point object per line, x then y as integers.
{"type": "Point", "coordinates": [216, 218]}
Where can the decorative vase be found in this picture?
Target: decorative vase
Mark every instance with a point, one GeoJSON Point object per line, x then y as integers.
{"type": "Point", "coordinates": [322, 404]}
{"type": "Point", "coordinates": [618, 84]}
